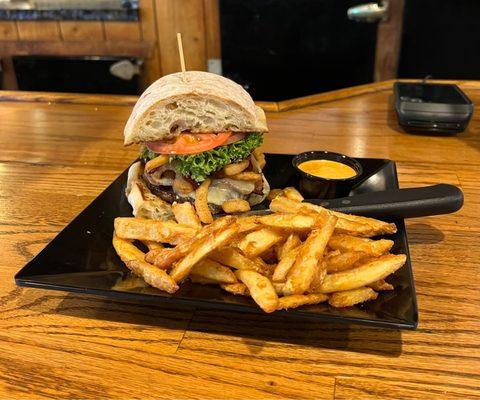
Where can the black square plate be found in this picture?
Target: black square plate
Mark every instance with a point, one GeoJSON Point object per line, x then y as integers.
{"type": "Point", "coordinates": [81, 259]}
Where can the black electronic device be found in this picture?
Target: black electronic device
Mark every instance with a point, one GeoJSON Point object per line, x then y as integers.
{"type": "Point", "coordinates": [432, 108]}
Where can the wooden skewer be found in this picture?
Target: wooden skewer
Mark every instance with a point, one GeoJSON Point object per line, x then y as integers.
{"type": "Point", "coordinates": [182, 58]}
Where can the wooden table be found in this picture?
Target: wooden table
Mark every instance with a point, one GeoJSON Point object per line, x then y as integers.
{"type": "Point", "coordinates": [58, 152]}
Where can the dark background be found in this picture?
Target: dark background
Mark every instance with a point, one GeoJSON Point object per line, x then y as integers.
{"type": "Point", "coordinates": [280, 49]}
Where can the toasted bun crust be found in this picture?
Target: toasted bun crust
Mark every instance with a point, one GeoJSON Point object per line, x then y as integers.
{"type": "Point", "coordinates": [204, 102]}
{"type": "Point", "coordinates": [144, 203]}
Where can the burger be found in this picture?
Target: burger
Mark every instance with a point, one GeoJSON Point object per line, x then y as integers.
{"type": "Point", "coordinates": [194, 126]}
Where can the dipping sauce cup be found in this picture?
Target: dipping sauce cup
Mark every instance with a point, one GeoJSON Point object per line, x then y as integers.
{"type": "Point", "coordinates": [318, 187]}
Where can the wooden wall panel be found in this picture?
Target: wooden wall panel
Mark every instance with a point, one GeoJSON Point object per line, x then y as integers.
{"type": "Point", "coordinates": [38, 30]}
{"type": "Point", "coordinates": [389, 39]}
{"type": "Point", "coordinates": [212, 28]}
{"type": "Point", "coordinates": [127, 31]}
{"type": "Point", "coordinates": [186, 17]}
{"type": "Point", "coordinates": [8, 30]}
{"type": "Point", "coordinates": [81, 30]}
{"type": "Point", "coordinates": [151, 69]}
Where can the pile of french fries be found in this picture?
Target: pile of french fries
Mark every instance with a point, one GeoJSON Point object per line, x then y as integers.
{"type": "Point", "coordinates": [299, 254]}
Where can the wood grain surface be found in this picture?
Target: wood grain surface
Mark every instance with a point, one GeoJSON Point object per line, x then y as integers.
{"type": "Point", "coordinates": [57, 156]}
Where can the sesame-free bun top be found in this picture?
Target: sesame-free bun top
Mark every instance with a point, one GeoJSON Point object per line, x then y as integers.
{"type": "Point", "coordinates": [203, 102]}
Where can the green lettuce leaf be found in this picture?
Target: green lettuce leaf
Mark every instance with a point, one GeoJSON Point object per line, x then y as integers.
{"type": "Point", "coordinates": [200, 166]}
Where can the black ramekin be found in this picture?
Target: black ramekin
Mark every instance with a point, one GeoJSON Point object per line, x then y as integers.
{"type": "Point", "coordinates": [313, 187]}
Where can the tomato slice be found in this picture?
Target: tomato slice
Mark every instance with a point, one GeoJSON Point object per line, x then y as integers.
{"type": "Point", "coordinates": [190, 143]}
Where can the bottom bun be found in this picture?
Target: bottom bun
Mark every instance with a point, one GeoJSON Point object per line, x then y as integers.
{"type": "Point", "coordinates": [144, 203]}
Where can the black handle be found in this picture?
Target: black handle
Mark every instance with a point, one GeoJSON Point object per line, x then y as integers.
{"type": "Point", "coordinates": [400, 203]}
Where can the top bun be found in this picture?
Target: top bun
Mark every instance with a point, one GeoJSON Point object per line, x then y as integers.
{"type": "Point", "coordinates": [204, 102]}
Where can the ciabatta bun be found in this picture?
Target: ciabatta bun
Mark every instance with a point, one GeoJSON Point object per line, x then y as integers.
{"type": "Point", "coordinates": [144, 203]}
{"type": "Point", "coordinates": [204, 102]}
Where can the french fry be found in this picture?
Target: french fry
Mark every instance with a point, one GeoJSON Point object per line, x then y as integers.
{"type": "Point", "coordinates": [235, 206]}
{"type": "Point", "coordinates": [238, 289]}
{"type": "Point", "coordinates": [200, 249]}
{"type": "Point", "coordinates": [247, 176]}
{"type": "Point", "coordinates": [285, 264]}
{"type": "Point", "coordinates": [292, 222]}
{"type": "Point", "coordinates": [343, 261]}
{"type": "Point", "coordinates": [133, 259]}
{"type": "Point", "coordinates": [233, 258]}
{"type": "Point", "coordinates": [346, 223]}
{"type": "Point", "coordinates": [274, 193]}
{"type": "Point", "coordinates": [152, 245]}
{"type": "Point", "coordinates": [278, 286]}
{"type": "Point", "coordinates": [256, 242]}
{"type": "Point", "coordinates": [157, 162]}
{"type": "Point", "coordinates": [155, 231]}
{"type": "Point", "coordinates": [381, 285]}
{"type": "Point", "coordinates": [363, 275]}
{"type": "Point", "coordinates": [301, 275]}
{"type": "Point", "coordinates": [164, 258]}
{"type": "Point", "coordinates": [185, 214]}
{"type": "Point", "coordinates": [235, 168]}
{"type": "Point", "coordinates": [293, 240]}
{"type": "Point", "coordinates": [201, 203]}
{"type": "Point", "coordinates": [352, 297]}
{"type": "Point", "coordinates": [318, 278]}
{"type": "Point", "coordinates": [297, 300]}
{"type": "Point", "coordinates": [379, 227]}
{"type": "Point", "coordinates": [371, 247]}
{"type": "Point", "coordinates": [213, 271]}
{"type": "Point", "coordinates": [260, 288]}
{"type": "Point", "coordinates": [248, 224]}
{"type": "Point", "coordinates": [293, 194]}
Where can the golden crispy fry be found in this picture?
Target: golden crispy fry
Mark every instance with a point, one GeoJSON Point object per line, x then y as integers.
{"type": "Point", "coordinates": [260, 288]}
{"type": "Point", "coordinates": [148, 229]}
{"type": "Point", "coordinates": [347, 224]}
{"type": "Point", "coordinates": [352, 297]}
{"type": "Point", "coordinates": [164, 258]}
{"type": "Point", "coordinates": [256, 242]}
{"type": "Point", "coordinates": [284, 266]}
{"type": "Point", "coordinates": [200, 249]}
{"type": "Point", "coordinates": [293, 240]}
{"type": "Point", "coordinates": [318, 278]}
{"type": "Point", "coordinates": [235, 206]}
{"type": "Point", "coordinates": [297, 300]}
{"type": "Point", "coordinates": [371, 247]}
{"type": "Point", "coordinates": [185, 214]}
{"type": "Point", "coordinates": [238, 289]}
{"type": "Point", "coordinates": [363, 275]}
{"type": "Point", "coordinates": [157, 162]}
{"type": "Point", "coordinates": [233, 258]}
{"type": "Point", "coordinates": [278, 286]}
{"type": "Point", "coordinates": [379, 227]}
{"type": "Point", "coordinates": [343, 261]}
{"type": "Point", "coordinates": [274, 193]}
{"type": "Point", "coordinates": [301, 275]}
{"type": "Point", "coordinates": [381, 285]}
{"type": "Point", "coordinates": [248, 224]}
{"type": "Point", "coordinates": [201, 203]}
{"type": "Point", "coordinates": [247, 176]}
{"type": "Point", "coordinates": [133, 259]}
{"type": "Point", "coordinates": [291, 222]}
{"type": "Point", "coordinates": [213, 271]}
{"type": "Point", "coordinates": [152, 245]}
{"type": "Point", "coordinates": [293, 194]}
{"type": "Point", "coordinates": [235, 168]}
